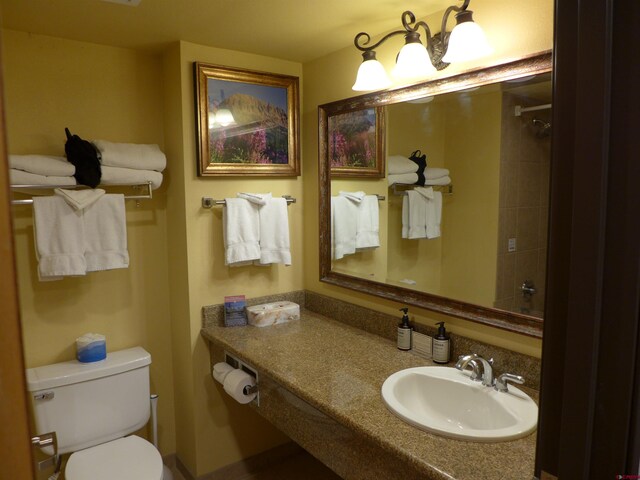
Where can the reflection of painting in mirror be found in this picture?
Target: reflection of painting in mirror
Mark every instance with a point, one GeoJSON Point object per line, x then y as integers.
{"type": "Point", "coordinates": [352, 139]}
{"type": "Point", "coordinates": [494, 224]}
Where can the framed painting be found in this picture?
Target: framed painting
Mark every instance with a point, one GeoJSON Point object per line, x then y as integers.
{"type": "Point", "coordinates": [247, 122]}
{"type": "Point", "coordinates": [356, 143]}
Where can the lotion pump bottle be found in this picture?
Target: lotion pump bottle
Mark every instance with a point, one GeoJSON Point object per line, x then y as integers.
{"type": "Point", "coordinates": [441, 351]}
{"type": "Point", "coordinates": [404, 331]}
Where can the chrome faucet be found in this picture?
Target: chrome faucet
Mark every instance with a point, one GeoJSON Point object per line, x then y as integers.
{"type": "Point", "coordinates": [487, 368]}
{"type": "Point", "coordinates": [502, 381]}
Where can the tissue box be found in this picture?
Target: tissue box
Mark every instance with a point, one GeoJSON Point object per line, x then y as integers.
{"type": "Point", "coordinates": [91, 347]}
{"type": "Point", "coordinates": [273, 313]}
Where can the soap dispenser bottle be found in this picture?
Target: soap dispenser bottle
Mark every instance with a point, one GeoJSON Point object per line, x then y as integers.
{"type": "Point", "coordinates": [441, 351]}
{"type": "Point", "coordinates": [404, 331]}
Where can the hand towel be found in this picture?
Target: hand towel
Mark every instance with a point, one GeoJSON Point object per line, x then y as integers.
{"type": "Point", "coordinates": [405, 178]}
{"type": "Point", "coordinates": [405, 216]}
{"type": "Point", "coordinates": [343, 226]}
{"type": "Point", "coordinates": [59, 238]}
{"type": "Point", "coordinates": [79, 199]}
{"type": "Point", "coordinates": [434, 215]}
{"type": "Point", "coordinates": [47, 165]}
{"type": "Point", "coordinates": [368, 223]}
{"type": "Point", "coordinates": [131, 155]}
{"type": "Point", "coordinates": [105, 234]}
{"type": "Point", "coordinates": [257, 198]}
{"type": "Point", "coordinates": [353, 196]}
{"type": "Point", "coordinates": [19, 177]}
{"type": "Point", "coordinates": [397, 164]}
{"type": "Point", "coordinates": [417, 215]}
{"type": "Point", "coordinates": [241, 232]}
{"type": "Point", "coordinates": [431, 173]}
{"type": "Point", "coordinates": [439, 181]}
{"type": "Point", "coordinates": [274, 232]}
{"type": "Point", "coordinates": [119, 176]}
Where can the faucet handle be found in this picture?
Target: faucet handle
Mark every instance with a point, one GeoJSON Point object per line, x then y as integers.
{"type": "Point", "coordinates": [503, 380]}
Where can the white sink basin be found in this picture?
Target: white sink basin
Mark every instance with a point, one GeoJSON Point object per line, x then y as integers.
{"type": "Point", "coordinates": [447, 402]}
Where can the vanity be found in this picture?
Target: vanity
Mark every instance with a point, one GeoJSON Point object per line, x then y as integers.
{"type": "Point", "coordinates": [320, 383]}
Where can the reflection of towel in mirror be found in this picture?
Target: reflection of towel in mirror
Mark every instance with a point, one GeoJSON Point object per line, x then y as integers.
{"type": "Point", "coordinates": [368, 223]}
{"type": "Point", "coordinates": [353, 196]}
{"type": "Point", "coordinates": [397, 164]}
{"type": "Point", "coordinates": [433, 212]}
{"type": "Point", "coordinates": [343, 226]}
{"type": "Point", "coordinates": [421, 213]}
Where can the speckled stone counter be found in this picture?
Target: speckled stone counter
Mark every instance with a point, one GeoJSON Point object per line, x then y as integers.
{"type": "Point", "coordinates": [333, 373]}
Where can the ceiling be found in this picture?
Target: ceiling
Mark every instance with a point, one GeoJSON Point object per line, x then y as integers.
{"type": "Point", "coordinates": [296, 30]}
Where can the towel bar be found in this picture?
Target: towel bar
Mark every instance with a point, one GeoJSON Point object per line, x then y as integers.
{"type": "Point", "coordinates": [29, 201]}
{"type": "Point", "coordinates": [208, 202]}
{"type": "Point", "coordinates": [445, 189]}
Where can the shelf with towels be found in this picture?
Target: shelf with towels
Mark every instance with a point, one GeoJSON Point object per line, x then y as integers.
{"type": "Point", "coordinates": [208, 202]}
{"type": "Point", "coordinates": [145, 188]}
{"type": "Point", "coordinates": [445, 189]}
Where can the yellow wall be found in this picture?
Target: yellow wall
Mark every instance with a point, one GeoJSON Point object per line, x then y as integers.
{"type": "Point", "coordinates": [515, 29]}
{"type": "Point", "coordinates": [98, 92]}
{"type": "Point", "coordinates": [219, 431]}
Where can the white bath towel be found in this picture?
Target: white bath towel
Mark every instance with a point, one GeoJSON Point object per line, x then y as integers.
{"type": "Point", "coordinates": [59, 238]}
{"type": "Point", "coordinates": [343, 226]}
{"type": "Point", "coordinates": [438, 181]}
{"type": "Point", "coordinates": [131, 155]}
{"type": "Point", "coordinates": [417, 215]}
{"type": "Point", "coordinates": [433, 210]}
{"type": "Point", "coordinates": [368, 223]}
{"type": "Point", "coordinates": [79, 199]}
{"type": "Point", "coordinates": [257, 198]}
{"type": "Point", "coordinates": [241, 232]}
{"type": "Point", "coordinates": [397, 164]}
{"type": "Point", "coordinates": [405, 216]}
{"type": "Point", "coordinates": [119, 176]}
{"type": "Point", "coordinates": [432, 173]}
{"type": "Point", "coordinates": [356, 197]}
{"type": "Point", "coordinates": [105, 234]}
{"type": "Point", "coordinates": [274, 232]}
{"type": "Point", "coordinates": [20, 177]}
{"type": "Point", "coordinates": [47, 165]}
{"type": "Point", "coordinates": [405, 178]}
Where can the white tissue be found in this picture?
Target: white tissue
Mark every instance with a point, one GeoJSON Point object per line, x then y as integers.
{"type": "Point", "coordinates": [221, 370]}
{"type": "Point", "coordinates": [235, 383]}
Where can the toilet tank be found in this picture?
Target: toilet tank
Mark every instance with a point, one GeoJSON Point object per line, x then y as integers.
{"type": "Point", "coordinates": [87, 404]}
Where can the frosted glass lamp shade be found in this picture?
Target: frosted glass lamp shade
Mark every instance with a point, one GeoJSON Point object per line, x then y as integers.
{"type": "Point", "coordinates": [413, 61]}
{"type": "Point", "coordinates": [467, 42]}
{"type": "Point", "coordinates": [371, 75]}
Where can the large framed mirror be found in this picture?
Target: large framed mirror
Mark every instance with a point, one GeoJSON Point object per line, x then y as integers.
{"type": "Point", "coordinates": [473, 152]}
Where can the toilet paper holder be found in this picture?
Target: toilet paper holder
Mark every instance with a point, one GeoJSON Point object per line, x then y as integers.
{"type": "Point", "coordinates": [237, 363]}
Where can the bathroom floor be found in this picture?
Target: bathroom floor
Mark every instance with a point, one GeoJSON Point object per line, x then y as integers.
{"type": "Point", "coordinates": [294, 467]}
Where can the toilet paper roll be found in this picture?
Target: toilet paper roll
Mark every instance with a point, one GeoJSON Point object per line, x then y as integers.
{"type": "Point", "coordinates": [221, 370]}
{"type": "Point", "coordinates": [235, 383]}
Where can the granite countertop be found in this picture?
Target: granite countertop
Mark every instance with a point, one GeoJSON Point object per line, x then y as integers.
{"type": "Point", "coordinates": [340, 369]}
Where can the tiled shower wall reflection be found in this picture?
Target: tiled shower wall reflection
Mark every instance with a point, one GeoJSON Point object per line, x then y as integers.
{"type": "Point", "coordinates": [524, 206]}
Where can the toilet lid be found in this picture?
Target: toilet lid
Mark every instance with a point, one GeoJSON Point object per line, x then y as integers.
{"type": "Point", "coordinates": [128, 458]}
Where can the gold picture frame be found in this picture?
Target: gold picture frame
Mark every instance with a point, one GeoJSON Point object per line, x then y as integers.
{"type": "Point", "coordinates": [248, 122]}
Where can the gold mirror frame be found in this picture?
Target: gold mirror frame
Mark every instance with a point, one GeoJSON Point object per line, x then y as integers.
{"type": "Point", "coordinates": [514, 322]}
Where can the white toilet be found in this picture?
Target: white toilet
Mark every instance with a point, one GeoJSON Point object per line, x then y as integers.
{"type": "Point", "coordinates": [91, 407]}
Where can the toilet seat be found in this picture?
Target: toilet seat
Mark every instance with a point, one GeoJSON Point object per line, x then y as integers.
{"type": "Point", "coordinates": [128, 458]}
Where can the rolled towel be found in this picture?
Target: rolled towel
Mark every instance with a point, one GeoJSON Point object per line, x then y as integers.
{"type": "Point", "coordinates": [116, 175]}
{"type": "Point", "coordinates": [406, 178]}
{"type": "Point", "coordinates": [439, 181]}
{"type": "Point", "coordinates": [47, 165]}
{"type": "Point", "coordinates": [431, 173]}
{"type": "Point", "coordinates": [131, 155]}
{"type": "Point", "coordinates": [20, 177]}
{"type": "Point", "coordinates": [397, 164]}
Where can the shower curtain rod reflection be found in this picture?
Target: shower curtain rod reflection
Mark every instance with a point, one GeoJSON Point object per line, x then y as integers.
{"type": "Point", "coordinates": [519, 110]}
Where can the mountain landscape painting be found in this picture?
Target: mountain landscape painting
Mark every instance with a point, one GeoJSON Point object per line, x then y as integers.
{"type": "Point", "coordinates": [248, 123]}
{"type": "Point", "coordinates": [352, 139]}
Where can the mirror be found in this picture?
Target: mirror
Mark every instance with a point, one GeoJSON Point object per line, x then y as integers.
{"type": "Point", "coordinates": [485, 137]}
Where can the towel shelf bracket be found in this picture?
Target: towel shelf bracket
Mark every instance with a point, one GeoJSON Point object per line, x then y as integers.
{"type": "Point", "coordinates": [208, 202]}
{"type": "Point", "coordinates": [143, 191]}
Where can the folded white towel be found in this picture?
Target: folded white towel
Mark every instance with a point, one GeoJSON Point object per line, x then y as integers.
{"type": "Point", "coordinates": [406, 178]}
{"type": "Point", "coordinates": [343, 226]}
{"type": "Point", "coordinates": [47, 165]}
{"type": "Point", "coordinates": [431, 173]}
{"type": "Point", "coordinates": [274, 232]}
{"type": "Point", "coordinates": [434, 215]}
{"type": "Point", "coordinates": [421, 213]}
{"type": "Point", "coordinates": [353, 196]}
{"type": "Point", "coordinates": [117, 175]}
{"type": "Point", "coordinates": [105, 234]}
{"type": "Point", "coordinates": [257, 198]}
{"type": "Point", "coordinates": [241, 232]}
{"type": "Point", "coordinates": [368, 223]}
{"type": "Point", "coordinates": [80, 199]}
{"type": "Point", "coordinates": [59, 238]}
{"type": "Point", "coordinates": [397, 164]}
{"type": "Point", "coordinates": [131, 155]}
{"type": "Point", "coordinates": [417, 215]}
{"type": "Point", "coordinates": [438, 181]}
{"type": "Point", "coordinates": [405, 216]}
{"type": "Point", "coordinates": [20, 177]}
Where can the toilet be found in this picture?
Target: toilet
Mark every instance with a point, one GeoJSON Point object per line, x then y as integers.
{"type": "Point", "coordinates": [92, 407]}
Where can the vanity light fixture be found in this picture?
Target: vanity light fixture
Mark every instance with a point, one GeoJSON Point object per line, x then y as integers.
{"type": "Point", "coordinates": [221, 118]}
{"type": "Point", "coordinates": [465, 42]}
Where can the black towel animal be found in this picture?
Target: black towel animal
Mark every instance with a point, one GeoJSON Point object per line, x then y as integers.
{"type": "Point", "coordinates": [421, 160]}
{"type": "Point", "coordinates": [85, 157]}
